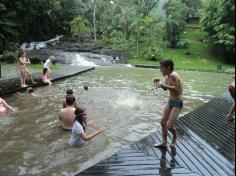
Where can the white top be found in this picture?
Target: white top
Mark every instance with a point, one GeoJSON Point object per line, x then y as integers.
{"type": "Point", "coordinates": [47, 64]}
{"type": "Point", "coordinates": [75, 138]}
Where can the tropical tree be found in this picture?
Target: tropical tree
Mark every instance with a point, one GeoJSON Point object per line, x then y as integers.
{"type": "Point", "coordinates": [176, 14]}
{"type": "Point", "coordinates": [79, 27]}
{"type": "Point", "coordinates": [8, 26]}
{"type": "Point", "coordinates": [125, 16]}
{"type": "Point", "coordinates": [218, 20]}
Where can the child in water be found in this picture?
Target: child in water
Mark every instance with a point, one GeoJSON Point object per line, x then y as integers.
{"type": "Point", "coordinates": [4, 107]}
{"type": "Point", "coordinates": [31, 92]}
{"type": "Point", "coordinates": [46, 78]}
{"type": "Point", "coordinates": [79, 136]}
{"type": "Point", "coordinates": [69, 92]}
{"type": "Point", "coordinates": [85, 88]}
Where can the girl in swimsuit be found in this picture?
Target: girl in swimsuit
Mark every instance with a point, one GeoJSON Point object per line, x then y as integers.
{"type": "Point", "coordinates": [21, 66]}
{"type": "Point", "coordinates": [45, 77]}
{"type": "Point", "coordinates": [23, 60]}
{"type": "Point", "coordinates": [4, 107]}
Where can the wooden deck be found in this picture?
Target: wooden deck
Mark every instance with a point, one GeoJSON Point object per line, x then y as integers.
{"type": "Point", "coordinates": [206, 146]}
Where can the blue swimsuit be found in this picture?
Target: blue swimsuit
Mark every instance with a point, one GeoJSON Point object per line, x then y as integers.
{"type": "Point", "coordinates": [175, 103]}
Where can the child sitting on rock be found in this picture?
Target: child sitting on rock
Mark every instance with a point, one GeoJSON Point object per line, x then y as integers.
{"type": "Point", "coordinates": [46, 77]}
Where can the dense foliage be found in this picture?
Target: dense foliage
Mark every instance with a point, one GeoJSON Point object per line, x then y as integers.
{"type": "Point", "coordinates": [175, 23]}
{"type": "Point", "coordinates": [140, 28]}
{"type": "Point", "coordinates": [23, 20]}
{"type": "Point", "coordinates": [218, 20]}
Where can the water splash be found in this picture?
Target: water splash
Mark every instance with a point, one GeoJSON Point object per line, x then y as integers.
{"type": "Point", "coordinates": [129, 65]}
{"type": "Point", "coordinates": [126, 100]}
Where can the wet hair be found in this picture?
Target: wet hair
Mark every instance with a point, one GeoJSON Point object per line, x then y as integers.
{"type": "Point", "coordinates": [168, 64]}
{"type": "Point", "coordinates": [70, 100]}
{"type": "Point", "coordinates": [86, 88]}
{"type": "Point", "coordinates": [21, 53]}
{"type": "Point", "coordinates": [51, 58]}
{"type": "Point", "coordinates": [45, 71]}
{"type": "Point", "coordinates": [69, 92]}
{"type": "Point", "coordinates": [30, 90]}
{"type": "Point", "coordinates": [80, 114]}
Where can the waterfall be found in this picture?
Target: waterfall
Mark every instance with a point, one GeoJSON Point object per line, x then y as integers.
{"type": "Point", "coordinates": [160, 9]}
{"type": "Point", "coordinates": [41, 44]}
{"type": "Point", "coordinates": [81, 61]}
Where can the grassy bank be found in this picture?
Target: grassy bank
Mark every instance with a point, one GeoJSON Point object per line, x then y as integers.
{"type": "Point", "coordinates": [198, 57]}
{"type": "Point", "coordinates": [32, 66]}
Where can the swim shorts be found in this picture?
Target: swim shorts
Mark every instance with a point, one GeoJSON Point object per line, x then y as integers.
{"type": "Point", "coordinates": [175, 103]}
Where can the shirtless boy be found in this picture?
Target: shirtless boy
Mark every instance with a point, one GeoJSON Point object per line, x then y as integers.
{"type": "Point", "coordinates": [174, 84]}
{"type": "Point", "coordinates": [67, 115]}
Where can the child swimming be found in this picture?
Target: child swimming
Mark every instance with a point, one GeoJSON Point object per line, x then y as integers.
{"type": "Point", "coordinates": [4, 107]}
{"type": "Point", "coordinates": [31, 92]}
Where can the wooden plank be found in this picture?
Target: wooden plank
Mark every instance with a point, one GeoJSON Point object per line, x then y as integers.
{"type": "Point", "coordinates": [205, 156]}
{"type": "Point", "coordinates": [196, 152]}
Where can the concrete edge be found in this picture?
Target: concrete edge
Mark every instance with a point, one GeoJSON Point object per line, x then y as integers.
{"type": "Point", "coordinates": [147, 66]}
{"type": "Point", "coordinates": [40, 84]}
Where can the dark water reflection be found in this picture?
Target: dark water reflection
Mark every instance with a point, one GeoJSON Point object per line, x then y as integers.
{"type": "Point", "coordinates": [122, 99]}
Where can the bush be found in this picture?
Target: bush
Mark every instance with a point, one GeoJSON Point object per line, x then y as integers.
{"type": "Point", "coordinates": [10, 57]}
{"type": "Point", "coordinates": [183, 44]}
{"type": "Point", "coordinates": [152, 53]}
{"type": "Point", "coordinates": [35, 60]}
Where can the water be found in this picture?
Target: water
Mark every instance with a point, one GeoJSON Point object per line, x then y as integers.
{"type": "Point", "coordinates": [120, 98]}
{"type": "Point", "coordinates": [81, 61]}
{"type": "Point", "coordinates": [41, 44]}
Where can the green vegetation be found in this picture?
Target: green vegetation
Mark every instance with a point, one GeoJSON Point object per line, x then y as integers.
{"type": "Point", "coordinates": [33, 66]}
{"type": "Point", "coordinates": [199, 56]}
{"type": "Point", "coordinates": [143, 30]}
{"type": "Point", "coordinates": [40, 67]}
{"type": "Point", "coordinates": [218, 20]}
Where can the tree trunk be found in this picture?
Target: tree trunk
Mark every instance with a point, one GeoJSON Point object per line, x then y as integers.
{"type": "Point", "coordinates": [94, 21]}
{"type": "Point", "coordinates": [137, 48]}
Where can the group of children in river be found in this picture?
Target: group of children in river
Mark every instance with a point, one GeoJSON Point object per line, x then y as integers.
{"type": "Point", "coordinates": [75, 119]}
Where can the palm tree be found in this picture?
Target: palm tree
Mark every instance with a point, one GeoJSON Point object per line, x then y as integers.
{"type": "Point", "coordinates": [127, 13]}
{"type": "Point", "coordinates": [79, 26]}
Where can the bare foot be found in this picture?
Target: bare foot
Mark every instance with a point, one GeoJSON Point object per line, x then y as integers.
{"type": "Point", "coordinates": [173, 144]}
{"type": "Point", "coordinates": [24, 85]}
{"type": "Point", "coordinates": [160, 145]}
{"type": "Point", "coordinates": [230, 118]}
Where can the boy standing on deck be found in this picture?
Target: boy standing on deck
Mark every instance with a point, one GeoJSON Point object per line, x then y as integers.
{"type": "Point", "coordinates": [174, 84]}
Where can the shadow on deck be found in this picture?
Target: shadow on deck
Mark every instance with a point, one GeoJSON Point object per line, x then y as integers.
{"type": "Point", "coordinates": [206, 146]}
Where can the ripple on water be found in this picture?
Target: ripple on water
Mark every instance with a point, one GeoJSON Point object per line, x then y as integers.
{"type": "Point", "coordinates": [121, 99]}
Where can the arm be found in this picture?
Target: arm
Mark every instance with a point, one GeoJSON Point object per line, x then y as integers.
{"type": "Point", "coordinates": [59, 116]}
{"type": "Point", "coordinates": [22, 61]}
{"type": "Point", "coordinates": [28, 61]}
{"type": "Point", "coordinates": [86, 137]}
{"type": "Point", "coordinates": [8, 106]}
{"type": "Point", "coordinates": [172, 85]}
